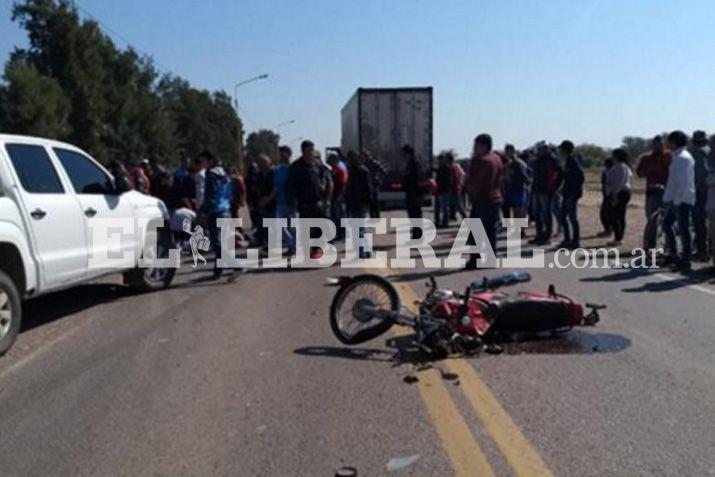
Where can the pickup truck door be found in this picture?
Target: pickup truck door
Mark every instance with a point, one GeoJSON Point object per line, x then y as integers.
{"type": "Point", "coordinates": [99, 199]}
{"type": "Point", "coordinates": [51, 214]}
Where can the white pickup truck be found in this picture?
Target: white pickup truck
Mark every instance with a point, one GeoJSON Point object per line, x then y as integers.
{"type": "Point", "coordinates": [49, 192]}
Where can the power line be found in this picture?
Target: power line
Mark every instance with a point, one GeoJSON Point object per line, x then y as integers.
{"type": "Point", "coordinates": [121, 37]}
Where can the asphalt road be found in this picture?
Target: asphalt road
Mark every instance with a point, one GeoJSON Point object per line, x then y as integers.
{"type": "Point", "coordinates": [245, 378]}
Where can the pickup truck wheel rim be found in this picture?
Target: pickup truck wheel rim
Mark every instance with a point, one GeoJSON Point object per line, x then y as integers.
{"type": "Point", "coordinates": [157, 274]}
{"type": "Point", "coordinates": [5, 314]}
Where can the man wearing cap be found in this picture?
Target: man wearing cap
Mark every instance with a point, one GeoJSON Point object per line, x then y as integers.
{"type": "Point", "coordinates": [700, 152]}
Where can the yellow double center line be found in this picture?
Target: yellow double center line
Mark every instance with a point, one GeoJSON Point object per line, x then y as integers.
{"type": "Point", "coordinates": [464, 452]}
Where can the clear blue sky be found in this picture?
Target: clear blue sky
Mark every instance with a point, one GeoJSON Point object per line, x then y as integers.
{"type": "Point", "coordinates": [525, 70]}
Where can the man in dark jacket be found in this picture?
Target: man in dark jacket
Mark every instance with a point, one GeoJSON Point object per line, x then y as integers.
{"type": "Point", "coordinates": [377, 175]}
{"type": "Point", "coordinates": [484, 183]}
{"type": "Point", "coordinates": [414, 184]}
{"type": "Point", "coordinates": [571, 193]}
{"type": "Point", "coordinates": [305, 185]}
{"type": "Point", "coordinates": [358, 193]}
{"type": "Point", "coordinates": [359, 188]}
{"type": "Point", "coordinates": [548, 176]}
{"type": "Point", "coordinates": [445, 189]}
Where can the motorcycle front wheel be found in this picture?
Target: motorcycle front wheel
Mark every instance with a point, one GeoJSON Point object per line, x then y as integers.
{"type": "Point", "coordinates": [353, 316]}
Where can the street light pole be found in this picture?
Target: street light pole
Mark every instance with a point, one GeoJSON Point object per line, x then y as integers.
{"type": "Point", "coordinates": [239, 133]}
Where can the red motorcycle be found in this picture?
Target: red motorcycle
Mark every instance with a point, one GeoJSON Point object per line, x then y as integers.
{"type": "Point", "coordinates": [366, 306]}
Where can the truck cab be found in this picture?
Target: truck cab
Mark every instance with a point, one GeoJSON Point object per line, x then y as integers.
{"type": "Point", "coordinates": [49, 192]}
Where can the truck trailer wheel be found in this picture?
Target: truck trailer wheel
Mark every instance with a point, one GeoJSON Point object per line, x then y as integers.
{"type": "Point", "coordinates": [10, 312]}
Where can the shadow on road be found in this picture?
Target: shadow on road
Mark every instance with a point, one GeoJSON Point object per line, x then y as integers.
{"type": "Point", "coordinates": [620, 276]}
{"type": "Point", "coordinates": [692, 278]}
{"type": "Point", "coordinates": [400, 350]}
{"type": "Point", "coordinates": [54, 306]}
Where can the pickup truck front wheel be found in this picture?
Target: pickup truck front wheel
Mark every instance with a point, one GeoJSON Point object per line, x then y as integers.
{"type": "Point", "coordinates": [10, 312]}
{"type": "Point", "coordinates": [153, 279]}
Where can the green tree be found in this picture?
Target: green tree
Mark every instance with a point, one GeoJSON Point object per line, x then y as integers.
{"type": "Point", "coordinates": [263, 141]}
{"type": "Point", "coordinates": [33, 104]}
{"type": "Point", "coordinates": [592, 154]}
{"type": "Point", "coordinates": [117, 107]}
{"type": "Point", "coordinates": [635, 146]}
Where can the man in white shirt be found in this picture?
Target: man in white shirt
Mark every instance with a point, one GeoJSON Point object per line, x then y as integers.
{"type": "Point", "coordinates": [680, 198]}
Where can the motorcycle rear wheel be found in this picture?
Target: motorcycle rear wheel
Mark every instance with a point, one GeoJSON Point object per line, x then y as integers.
{"type": "Point", "coordinates": [349, 320]}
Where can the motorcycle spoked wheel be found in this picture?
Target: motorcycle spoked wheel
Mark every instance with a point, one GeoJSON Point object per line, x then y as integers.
{"type": "Point", "coordinates": [348, 319]}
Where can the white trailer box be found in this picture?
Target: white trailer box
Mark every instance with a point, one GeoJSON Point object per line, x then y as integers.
{"type": "Point", "coordinates": [381, 121]}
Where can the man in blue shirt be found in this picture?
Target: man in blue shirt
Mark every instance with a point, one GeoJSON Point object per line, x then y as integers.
{"type": "Point", "coordinates": [217, 202]}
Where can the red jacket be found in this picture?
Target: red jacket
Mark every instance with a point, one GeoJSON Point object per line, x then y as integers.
{"type": "Point", "coordinates": [485, 179]}
{"type": "Point", "coordinates": [655, 167]}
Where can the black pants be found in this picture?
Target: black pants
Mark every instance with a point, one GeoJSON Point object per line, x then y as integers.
{"type": "Point", "coordinates": [374, 206]}
{"type": "Point", "coordinates": [700, 223]}
{"type": "Point", "coordinates": [414, 211]}
{"type": "Point", "coordinates": [605, 215]}
{"type": "Point", "coordinates": [618, 216]}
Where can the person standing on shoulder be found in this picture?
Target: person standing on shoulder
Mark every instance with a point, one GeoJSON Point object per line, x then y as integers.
{"type": "Point", "coordinates": [618, 190]}
{"type": "Point", "coordinates": [654, 168]}
{"type": "Point", "coordinates": [680, 197]}
{"type": "Point", "coordinates": [572, 192]}
{"type": "Point", "coordinates": [516, 183]}
{"type": "Point", "coordinates": [701, 155]}
{"type": "Point", "coordinates": [484, 186]}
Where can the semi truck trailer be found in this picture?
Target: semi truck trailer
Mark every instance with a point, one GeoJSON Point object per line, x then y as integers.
{"type": "Point", "coordinates": [380, 121]}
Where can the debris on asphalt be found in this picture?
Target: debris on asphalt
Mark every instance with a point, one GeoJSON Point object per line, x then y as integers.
{"type": "Point", "coordinates": [410, 379]}
{"type": "Point", "coordinates": [493, 348]}
{"type": "Point", "coordinates": [399, 463]}
{"type": "Point", "coordinates": [261, 429]}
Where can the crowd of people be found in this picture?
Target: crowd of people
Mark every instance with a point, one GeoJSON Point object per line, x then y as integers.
{"type": "Point", "coordinates": [544, 184]}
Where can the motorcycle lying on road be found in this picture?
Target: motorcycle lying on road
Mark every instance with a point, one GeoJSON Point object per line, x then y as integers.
{"type": "Point", "coordinates": [366, 306]}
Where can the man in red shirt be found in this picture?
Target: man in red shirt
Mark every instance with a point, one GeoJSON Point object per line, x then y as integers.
{"type": "Point", "coordinates": [654, 167]}
{"type": "Point", "coordinates": [484, 188]}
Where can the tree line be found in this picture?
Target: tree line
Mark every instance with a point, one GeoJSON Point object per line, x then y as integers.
{"type": "Point", "coordinates": [74, 84]}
